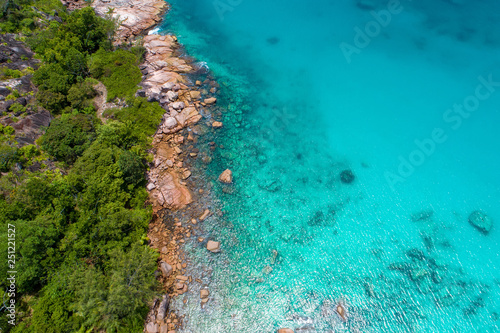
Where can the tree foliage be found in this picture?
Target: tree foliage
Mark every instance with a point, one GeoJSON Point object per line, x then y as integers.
{"type": "Point", "coordinates": [67, 137]}
{"type": "Point", "coordinates": [78, 199]}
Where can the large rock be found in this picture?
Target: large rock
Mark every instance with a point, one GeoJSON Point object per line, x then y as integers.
{"type": "Point", "coordinates": [211, 100]}
{"type": "Point", "coordinates": [152, 328]}
{"type": "Point", "coordinates": [285, 330]}
{"type": "Point", "coordinates": [170, 122]}
{"type": "Point", "coordinates": [481, 221]}
{"type": "Point", "coordinates": [166, 269]}
{"type": "Point", "coordinates": [204, 293]}
{"type": "Point", "coordinates": [422, 215]}
{"type": "Point", "coordinates": [162, 308]}
{"type": "Point", "coordinates": [213, 246]}
{"type": "Point", "coordinates": [226, 177]}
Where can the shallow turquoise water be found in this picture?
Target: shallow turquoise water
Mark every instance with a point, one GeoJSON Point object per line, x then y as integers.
{"type": "Point", "coordinates": [295, 239]}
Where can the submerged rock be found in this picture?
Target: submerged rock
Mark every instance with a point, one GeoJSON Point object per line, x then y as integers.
{"type": "Point", "coordinates": [422, 215]}
{"type": "Point", "coordinates": [321, 219]}
{"type": "Point", "coordinates": [418, 273]}
{"type": "Point", "coordinates": [481, 221]}
{"type": "Point", "coordinates": [365, 4]}
{"type": "Point", "coordinates": [369, 289]}
{"type": "Point", "coordinates": [400, 266]}
{"type": "Point", "coordinates": [166, 269]}
{"type": "Point", "coordinates": [217, 124]}
{"type": "Point", "coordinates": [416, 254]}
{"type": "Point", "coordinates": [270, 185]}
{"type": "Point", "coordinates": [273, 40]}
{"type": "Point", "coordinates": [347, 177]}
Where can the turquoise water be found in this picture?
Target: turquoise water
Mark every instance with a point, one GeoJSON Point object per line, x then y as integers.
{"type": "Point", "coordinates": [303, 99]}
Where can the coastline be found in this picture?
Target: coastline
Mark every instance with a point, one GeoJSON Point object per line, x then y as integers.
{"type": "Point", "coordinates": [178, 195]}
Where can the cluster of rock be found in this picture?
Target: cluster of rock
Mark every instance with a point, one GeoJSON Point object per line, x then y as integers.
{"type": "Point", "coordinates": [164, 82]}
{"type": "Point", "coordinates": [135, 17]}
{"type": "Point", "coordinates": [446, 284]}
{"type": "Point", "coordinates": [157, 319]}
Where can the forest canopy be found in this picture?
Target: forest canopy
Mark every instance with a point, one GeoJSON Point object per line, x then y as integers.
{"type": "Point", "coordinates": [77, 197]}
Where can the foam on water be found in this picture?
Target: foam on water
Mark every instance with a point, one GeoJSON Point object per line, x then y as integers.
{"type": "Point", "coordinates": [395, 247]}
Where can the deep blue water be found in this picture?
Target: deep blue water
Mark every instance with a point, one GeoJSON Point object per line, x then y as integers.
{"type": "Point", "coordinates": [410, 105]}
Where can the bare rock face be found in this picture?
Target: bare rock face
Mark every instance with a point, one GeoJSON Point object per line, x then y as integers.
{"type": "Point", "coordinates": [166, 269]}
{"type": "Point", "coordinates": [226, 177]}
{"type": "Point", "coordinates": [285, 330]}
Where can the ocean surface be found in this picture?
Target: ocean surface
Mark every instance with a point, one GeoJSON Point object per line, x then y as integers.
{"type": "Point", "coordinates": [361, 136]}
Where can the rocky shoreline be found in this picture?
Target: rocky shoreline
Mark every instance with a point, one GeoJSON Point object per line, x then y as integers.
{"type": "Point", "coordinates": [180, 200]}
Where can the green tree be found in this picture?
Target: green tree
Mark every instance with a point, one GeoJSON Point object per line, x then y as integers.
{"type": "Point", "coordinates": [117, 70]}
{"type": "Point", "coordinates": [117, 302]}
{"type": "Point", "coordinates": [132, 168]}
{"type": "Point", "coordinates": [67, 137]}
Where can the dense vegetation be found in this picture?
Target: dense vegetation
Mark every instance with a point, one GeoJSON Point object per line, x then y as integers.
{"type": "Point", "coordinates": [77, 197]}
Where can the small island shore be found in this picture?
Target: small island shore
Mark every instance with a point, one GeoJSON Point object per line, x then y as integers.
{"type": "Point", "coordinates": [179, 202]}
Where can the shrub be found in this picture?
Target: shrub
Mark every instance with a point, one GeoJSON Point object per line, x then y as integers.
{"type": "Point", "coordinates": [8, 156]}
{"type": "Point", "coordinates": [80, 95]}
{"type": "Point", "coordinates": [143, 118]}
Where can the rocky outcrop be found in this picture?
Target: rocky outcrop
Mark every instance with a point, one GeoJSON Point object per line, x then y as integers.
{"type": "Point", "coordinates": [17, 103]}
{"type": "Point", "coordinates": [169, 192]}
{"type": "Point", "coordinates": [135, 17]}
{"type": "Point", "coordinates": [481, 221]}
{"type": "Point", "coordinates": [20, 56]}
{"type": "Point", "coordinates": [164, 81]}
